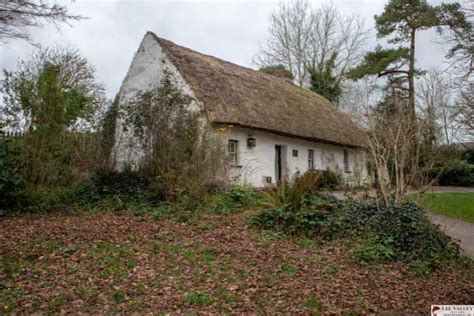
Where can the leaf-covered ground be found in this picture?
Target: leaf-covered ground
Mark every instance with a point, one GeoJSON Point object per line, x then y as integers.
{"type": "Point", "coordinates": [94, 263]}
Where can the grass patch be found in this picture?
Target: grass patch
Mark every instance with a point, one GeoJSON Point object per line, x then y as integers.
{"type": "Point", "coordinates": [311, 303]}
{"type": "Point", "coordinates": [113, 260]}
{"type": "Point", "coordinates": [307, 242]}
{"type": "Point", "coordinates": [457, 205]}
{"type": "Point", "coordinates": [198, 298]}
{"type": "Point", "coordinates": [119, 296]}
{"type": "Point", "coordinates": [289, 270]}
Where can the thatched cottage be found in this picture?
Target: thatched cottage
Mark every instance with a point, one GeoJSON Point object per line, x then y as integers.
{"type": "Point", "coordinates": [277, 128]}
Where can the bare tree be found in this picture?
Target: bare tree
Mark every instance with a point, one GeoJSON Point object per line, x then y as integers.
{"type": "Point", "coordinates": [335, 33]}
{"type": "Point", "coordinates": [302, 38]}
{"type": "Point", "coordinates": [290, 28]}
{"type": "Point", "coordinates": [465, 108]}
{"type": "Point", "coordinates": [436, 106]}
{"type": "Point", "coordinates": [17, 16]}
{"type": "Point", "coordinates": [401, 160]}
{"type": "Point", "coordinates": [358, 98]}
{"type": "Point", "coordinates": [394, 148]}
{"type": "Point", "coordinates": [461, 54]}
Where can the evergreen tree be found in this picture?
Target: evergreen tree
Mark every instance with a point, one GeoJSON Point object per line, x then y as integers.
{"type": "Point", "coordinates": [400, 21]}
{"type": "Point", "coordinates": [325, 82]}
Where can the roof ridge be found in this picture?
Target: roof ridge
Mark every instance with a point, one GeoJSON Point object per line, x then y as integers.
{"type": "Point", "coordinates": [162, 39]}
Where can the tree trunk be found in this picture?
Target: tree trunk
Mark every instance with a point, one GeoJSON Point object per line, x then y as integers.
{"type": "Point", "coordinates": [411, 75]}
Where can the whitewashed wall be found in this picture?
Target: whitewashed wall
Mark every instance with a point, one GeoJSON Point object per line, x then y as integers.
{"type": "Point", "coordinates": [258, 162]}
{"type": "Point", "coordinates": [145, 72]}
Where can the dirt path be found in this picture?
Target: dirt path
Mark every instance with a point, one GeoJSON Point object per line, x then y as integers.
{"type": "Point", "coordinates": [435, 189]}
{"type": "Point", "coordinates": [457, 229]}
{"type": "Point", "coordinates": [441, 189]}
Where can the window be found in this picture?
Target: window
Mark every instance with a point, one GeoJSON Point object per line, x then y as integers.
{"type": "Point", "coordinates": [346, 161]}
{"type": "Point", "coordinates": [234, 152]}
{"type": "Point", "coordinates": [310, 159]}
{"type": "Point", "coordinates": [295, 152]}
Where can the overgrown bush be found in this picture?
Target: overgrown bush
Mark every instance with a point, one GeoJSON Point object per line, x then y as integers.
{"type": "Point", "coordinates": [289, 195]}
{"type": "Point", "coordinates": [412, 235]}
{"type": "Point", "coordinates": [115, 190]}
{"type": "Point", "coordinates": [232, 200]}
{"type": "Point", "coordinates": [134, 191]}
{"type": "Point", "coordinates": [373, 249]}
{"type": "Point", "coordinates": [457, 173]}
{"type": "Point", "coordinates": [53, 98]}
{"type": "Point", "coordinates": [384, 232]}
{"type": "Point", "coordinates": [454, 166]}
{"type": "Point", "coordinates": [293, 209]}
{"type": "Point", "coordinates": [316, 217]}
{"type": "Point", "coordinates": [11, 179]}
{"type": "Point", "coordinates": [45, 198]}
{"type": "Point", "coordinates": [181, 156]}
{"type": "Point", "coordinates": [329, 180]}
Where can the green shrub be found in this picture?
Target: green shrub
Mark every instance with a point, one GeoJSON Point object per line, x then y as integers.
{"type": "Point", "coordinates": [373, 249]}
{"type": "Point", "coordinates": [46, 198]}
{"type": "Point", "coordinates": [329, 180]}
{"type": "Point", "coordinates": [418, 268]}
{"type": "Point", "coordinates": [385, 232]}
{"type": "Point", "coordinates": [412, 235]}
{"type": "Point", "coordinates": [316, 215]}
{"type": "Point", "coordinates": [163, 211]}
{"type": "Point", "coordinates": [220, 204]}
{"type": "Point", "coordinates": [293, 208]}
{"type": "Point", "coordinates": [289, 195]}
{"type": "Point", "coordinates": [233, 200]}
{"type": "Point", "coordinates": [115, 190]}
{"type": "Point", "coordinates": [457, 173]}
{"type": "Point", "coordinates": [243, 194]}
{"type": "Point", "coordinates": [11, 179]}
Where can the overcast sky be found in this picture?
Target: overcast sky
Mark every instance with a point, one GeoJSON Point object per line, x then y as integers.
{"type": "Point", "coordinates": [230, 30]}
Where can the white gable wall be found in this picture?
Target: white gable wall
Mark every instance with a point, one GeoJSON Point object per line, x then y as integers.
{"type": "Point", "coordinates": [145, 73]}
{"type": "Point", "coordinates": [257, 163]}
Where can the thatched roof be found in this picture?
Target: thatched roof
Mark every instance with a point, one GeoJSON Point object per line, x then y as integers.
{"type": "Point", "coordinates": [240, 96]}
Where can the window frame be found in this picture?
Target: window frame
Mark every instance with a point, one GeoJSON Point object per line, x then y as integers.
{"type": "Point", "coordinates": [234, 154]}
{"type": "Point", "coordinates": [346, 162]}
{"type": "Point", "coordinates": [310, 159]}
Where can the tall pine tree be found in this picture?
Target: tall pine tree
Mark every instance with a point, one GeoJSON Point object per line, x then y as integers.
{"type": "Point", "coordinates": [399, 22]}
